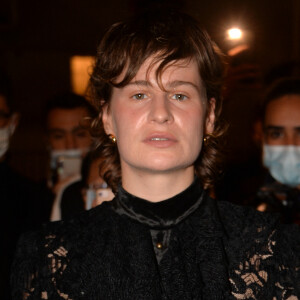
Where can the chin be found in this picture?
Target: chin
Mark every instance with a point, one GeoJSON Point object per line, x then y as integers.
{"type": "Point", "coordinates": [161, 162]}
{"type": "Point", "coordinates": [164, 167]}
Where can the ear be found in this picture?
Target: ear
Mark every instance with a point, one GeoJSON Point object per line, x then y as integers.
{"type": "Point", "coordinates": [107, 120]}
{"type": "Point", "coordinates": [258, 132]}
{"type": "Point", "coordinates": [210, 116]}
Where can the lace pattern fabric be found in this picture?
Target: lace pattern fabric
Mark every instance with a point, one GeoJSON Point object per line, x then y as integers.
{"type": "Point", "coordinates": [268, 266]}
{"type": "Point", "coordinates": [251, 280]}
{"type": "Point", "coordinates": [104, 255]}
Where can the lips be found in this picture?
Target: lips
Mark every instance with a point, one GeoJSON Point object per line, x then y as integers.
{"type": "Point", "coordinates": [161, 140]}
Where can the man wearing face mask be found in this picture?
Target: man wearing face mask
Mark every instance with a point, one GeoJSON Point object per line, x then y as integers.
{"type": "Point", "coordinates": [16, 192]}
{"type": "Point", "coordinates": [281, 150]}
{"type": "Point", "coordinates": [68, 142]}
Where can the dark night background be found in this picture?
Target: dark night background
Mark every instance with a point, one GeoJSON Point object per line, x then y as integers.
{"type": "Point", "coordinates": [37, 38]}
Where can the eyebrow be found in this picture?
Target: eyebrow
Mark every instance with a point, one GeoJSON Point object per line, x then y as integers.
{"type": "Point", "coordinates": [177, 83]}
{"type": "Point", "coordinates": [55, 130]}
{"type": "Point", "coordinates": [60, 130]}
{"type": "Point", "coordinates": [270, 127]}
{"type": "Point", "coordinates": [171, 84]}
{"type": "Point", "coordinates": [140, 82]}
{"type": "Point", "coordinates": [274, 127]}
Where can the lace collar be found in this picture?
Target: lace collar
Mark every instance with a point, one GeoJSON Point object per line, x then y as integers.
{"type": "Point", "coordinates": [162, 214]}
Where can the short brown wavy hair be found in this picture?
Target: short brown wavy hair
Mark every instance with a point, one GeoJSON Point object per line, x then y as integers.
{"type": "Point", "coordinates": [170, 36]}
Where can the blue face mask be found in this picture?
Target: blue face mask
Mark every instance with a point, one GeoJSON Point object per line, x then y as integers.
{"type": "Point", "coordinates": [283, 163]}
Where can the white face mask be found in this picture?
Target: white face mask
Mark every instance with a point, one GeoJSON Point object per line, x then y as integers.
{"type": "Point", "coordinates": [5, 134]}
{"type": "Point", "coordinates": [283, 163]}
{"type": "Point", "coordinates": [67, 163]}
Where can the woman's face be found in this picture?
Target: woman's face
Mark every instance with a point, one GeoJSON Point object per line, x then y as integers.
{"type": "Point", "coordinates": [160, 130]}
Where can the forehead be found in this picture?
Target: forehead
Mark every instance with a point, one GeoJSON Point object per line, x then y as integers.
{"type": "Point", "coordinates": [179, 70]}
{"type": "Point", "coordinates": [284, 111]}
{"type": "Point", "coordinates": [65, 118]}
{"type": "Point", "coordinates": [186, 69]}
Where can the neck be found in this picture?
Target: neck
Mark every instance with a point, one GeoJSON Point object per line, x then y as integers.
{"type": "Point", "coordinates": [157, 187]}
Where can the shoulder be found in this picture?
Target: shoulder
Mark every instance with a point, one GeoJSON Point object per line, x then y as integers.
{"type": "Point", "coordinates": [238, 219]}
{"type": "Point", "coordinates": [250, 231]}
{"type": "Point", "coordinates": [263, 254]}
{"type": "Point", "coordinates": [98, 217]}
{"type": "Point", "coordinates": [71, 233]}
{"type": "Point", "coordinates": [49, 250]}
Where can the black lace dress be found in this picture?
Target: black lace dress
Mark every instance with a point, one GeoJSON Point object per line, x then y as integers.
{"type": "Point", "coordinates": [186, 247]}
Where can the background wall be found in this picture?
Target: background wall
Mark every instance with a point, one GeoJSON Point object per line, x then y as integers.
{"type": "Point", "coordinates": [38, 37]}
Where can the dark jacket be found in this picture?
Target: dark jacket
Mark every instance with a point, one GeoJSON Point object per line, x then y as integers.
{"type": "Point", "coordinates": [186, 247]}
{"type": "Point", "coordinates": [276, 197]}
{"type": "Point", "coordinates": [19, 213]}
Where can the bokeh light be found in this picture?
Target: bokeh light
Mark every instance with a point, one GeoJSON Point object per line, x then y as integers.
{"type": "Point", "coordinates": [234, 33]}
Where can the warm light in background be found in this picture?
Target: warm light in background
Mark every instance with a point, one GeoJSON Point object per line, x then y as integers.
{"type": "Point", "coordinates": [234, 33]}
{"type": "Point", "coordinates": [81, 67]}
{"type": "Point", "coordinates": [237, 49]}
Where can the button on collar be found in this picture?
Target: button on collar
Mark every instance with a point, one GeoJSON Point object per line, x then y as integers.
{"type": "Point", "coordinates": [159, 246]}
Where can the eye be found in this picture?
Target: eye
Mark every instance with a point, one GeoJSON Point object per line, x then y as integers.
{"type": "Point", "coordinates": [81, 134]}
{"type": "Point", "coordinates": [179, 97]}
{"type": "Point", "coordinates": [139, 96]}
{"type": "Point", "coordinates": [275, 134]}
{"type": "Point", "coordinates": [57, 136]}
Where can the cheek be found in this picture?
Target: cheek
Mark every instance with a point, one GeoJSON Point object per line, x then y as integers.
{"type": "Point", "coordinates": [196, 131]}
{"type": "Point", "coordinates": [126, 124]}
{"type": "Point", "coordinates": [84, 142]}
{"type": "Point", "coordinates": [196, 123]}
{"type": "Point", "coordinates": [57, 144]}
{"type": "Point", "coordinates": [119, 126]}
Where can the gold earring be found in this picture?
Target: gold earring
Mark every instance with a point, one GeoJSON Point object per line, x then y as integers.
{"type": "Point", "coordinates": [112, 138]}
{"type": "Point", "coordinates": [206, 138]}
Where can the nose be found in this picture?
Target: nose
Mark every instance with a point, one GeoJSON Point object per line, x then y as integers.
{"type": "Point", "coordinates": [69, 142]}
{"type": "Point", "coordinates": [295, 141]}
{"type": "Point", "coordinates": [292, 138]}
{"type": "Point", "coordinates": [161, 111]}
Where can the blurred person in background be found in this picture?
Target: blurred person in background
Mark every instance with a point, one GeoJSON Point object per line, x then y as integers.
{"type": "Point", "coordinates": [280, 140]}
{"type": "Point", "coordinates": [242, 94]}
{"type": "Point", "coordinates": [8, 117]}
{"type": "Point", "coordinates": [17, 193]}
{"type": "Point", "coordinates": [68, 141]}
{"type": "Point", "coordinates": [88, 192]}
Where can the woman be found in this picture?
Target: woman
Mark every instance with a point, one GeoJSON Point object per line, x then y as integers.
{"type": "Point", "coordinates": [157, 83]}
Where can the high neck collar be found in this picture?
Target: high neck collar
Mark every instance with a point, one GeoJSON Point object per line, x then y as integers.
{"type": "Point", "coordinates": [161, 214]}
